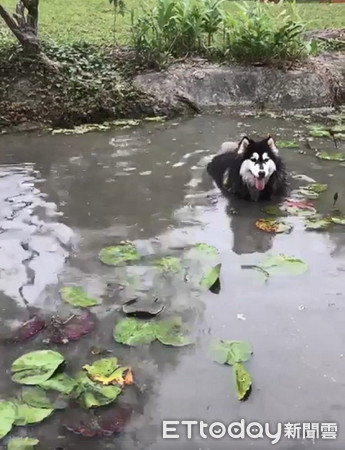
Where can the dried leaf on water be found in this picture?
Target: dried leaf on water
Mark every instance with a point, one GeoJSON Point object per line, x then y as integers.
{"type": "Point", "coordinates": [76, 296]}
{"type": "Point", "coordinates": [243, 381]}
{"type": "Point", "coordinates": [119, 254]}
{"type": "Point", "coordinates": [72, 329]}
{"type": "Point", "coordinates": [273, 226]}
{"type": "Point", "coordinates": [22, 444]}
{"type": "Point", "coordinates": [26, 331]}
{"type": "Point", "coordinates": [36, 367]}
{"type": "Point", "coordinates": [7, 417]}
{"type": "Point", "coordinates": [105, 423]}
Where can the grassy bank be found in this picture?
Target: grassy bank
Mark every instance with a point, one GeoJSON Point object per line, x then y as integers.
{"type": "Point", "coordinates": [67, 21]}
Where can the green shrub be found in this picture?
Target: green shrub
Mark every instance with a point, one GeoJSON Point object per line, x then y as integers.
{"type": "Point", "coordinates": [256, 35]}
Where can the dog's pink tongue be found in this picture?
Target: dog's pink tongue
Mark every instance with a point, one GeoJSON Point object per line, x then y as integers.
{"type": "Point", "coordinates": [260, 184]}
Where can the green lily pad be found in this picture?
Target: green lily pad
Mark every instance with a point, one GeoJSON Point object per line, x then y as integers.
{"type": "Point", "coordinates": [243, 381]}
{"type": "Point", "coordinates": [318, 223]}
{"type": "Point", "coordinates": [169, 333]}
{"type": "Point", "coordinates": [119, 254]}
{"type": "Point", "coordinates": [103, 367]}
{"type": "Point", "coordinates": [212, 277]}
{"type": "Point", "coordinates": [329, 156]}
{"type": "Point", "coordinates": [76, 296]}
{"type": "Point", "coordinates": [169, 264]}
{"type": "Point", "coordinates": [317, 187]}
{"type": "Point", "coordinates": [61, 383]}
{"type": "Point", "coordinates": [36, 367]}
{"type": "Point", "coordinates": [274, 210]}
{"type": "Point", "coordinates": [7, 417]}
{"type": "Point", "coordinates": [36, 397]}
{"type": "Point", "coordinates": [231, 352]}
{"type": "Point", "coordinates": [340, 128]}
{"type": "Point", "coordinates": [306, 193]}
{"type": "Point", "coordinates": [92, 394]}
{"type": "Point", "coordinates": [22, 444]}
{"type": "Point", "coordinates": [27, 415]}
{"type": "Point", "coordinates": [340, 220]}
{"type": "Point", "coordinates": [284, 265]}
{"type": "Point", "coordinates": [273, 226]}
{"type": "Point", "coordinates": [208, 250]}
{"type": "Point", "coordinates": [287, 144]}
{"type": "Point", "coordinates": [319, 131]}
{"type": "Point", "coordinates": [134, 332]}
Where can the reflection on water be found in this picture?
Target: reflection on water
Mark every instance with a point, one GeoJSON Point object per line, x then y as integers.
{"type": "Point", "coordinates": [62, 198]}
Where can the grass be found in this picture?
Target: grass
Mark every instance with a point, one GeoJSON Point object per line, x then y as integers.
{"type": "Point", "coordinates": [69, 21]}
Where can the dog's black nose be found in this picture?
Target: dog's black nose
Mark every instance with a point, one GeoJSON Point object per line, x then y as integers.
{"type": "Point", "coordinates": [261, 174]}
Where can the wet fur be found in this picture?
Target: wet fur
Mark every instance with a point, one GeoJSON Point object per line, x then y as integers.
{"type": "Point", "coordinates": [225, 167]}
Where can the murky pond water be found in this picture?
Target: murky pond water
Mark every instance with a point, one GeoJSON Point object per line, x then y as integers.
{"type": "Point", "coordinates": [63, 198]}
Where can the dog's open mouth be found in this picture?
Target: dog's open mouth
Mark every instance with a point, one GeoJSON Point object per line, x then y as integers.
{"type": "Point", "coordinates": [260, 184]}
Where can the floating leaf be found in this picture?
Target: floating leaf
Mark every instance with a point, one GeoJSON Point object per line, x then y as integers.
{"type": "Point", "coordinates": [103, 367]}
{"type": "Point", "coordinates": [72, 329]}
{"type": "Point", "coordinates": [318, 223]}
{"type": "Point", "coordinates": [243, 381]}
{"type": "Point", "coordinates": [170, 333]}
{"type": "Point", "coordinates": [338, 220]}
{"type": "Point", "coordinates": [36, 367]}
{"type": "Point", "coordinates": [105, 423]}
{"type": "Point", "coordinates": [208, 250]}
{"type": "Point", "coordinates": [284, 265]}
{"type": "Point", "coordinates": [60, 382]}
{"type": "Point", "coordinates": [121, 376]}
{"type": "Point", "coordinates": [118, 254]}
{"type": "Point", "coordinates": [134, 332]}
{"type": "Point", "coordinates": [7, 417]}
{"type": "Point", "coordinates": [328, 156]}
{"type": "Point", "coordinates": [76, 296]}
{"type": "Point", "coordinates": [273, 226]}
{"type": "Point", "coordinates": [319, 131]}
{"type": "Point", "coordinates": [93, 394]}
{"type": "Point", "coordinates": [295, 207]}
{"type": "Point", "coordinates": [22, 444]}
{"type": "Point", "coordinates": [287, 144]}
{"type": "Point", "coordinates": [317, 187]}
{"type": "Point", "coordinates": [169, 264]}
{"type": "Point", "coordinates": [231, 352]}
{"type": "Point", "coordinates": [340, 128]}
{"type": "Point", "coordinates": [303, 192]}
{"type": "Point", "coordinates": [212, 277]}
{"type": "Point", "coordinates": [27, 330]}
{"type": "Point", "coordinates": [143, 307]}
{"type": "Point", "coordinates": [274, 210]}
{"type": "Point", "coordinates": [27, 415]}
{"type": "Point", "coordinates": [36, 397]}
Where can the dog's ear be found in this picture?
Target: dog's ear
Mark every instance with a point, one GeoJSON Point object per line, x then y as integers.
{"type": "Point", "coordinates": [272, 145]}
{"type": "Point", "coordinates": [243, 145]}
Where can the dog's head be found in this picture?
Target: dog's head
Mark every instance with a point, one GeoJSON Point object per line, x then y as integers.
{"type": "Point", "coordinates": [258, 161]}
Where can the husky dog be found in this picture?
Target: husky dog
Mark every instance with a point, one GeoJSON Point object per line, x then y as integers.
{"type": "Point", "coordinates": [249, 170]}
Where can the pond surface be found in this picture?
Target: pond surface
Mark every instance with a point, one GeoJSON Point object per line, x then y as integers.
{"type": "Point", "coordinates": [63, 198]}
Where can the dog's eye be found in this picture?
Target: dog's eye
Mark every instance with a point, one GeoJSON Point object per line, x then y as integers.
{"type": "Point", "coordinates": [253, 159]}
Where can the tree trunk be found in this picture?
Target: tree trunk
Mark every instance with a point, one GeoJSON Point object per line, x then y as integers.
{"type": "Point", "coordinates": [25, 30]}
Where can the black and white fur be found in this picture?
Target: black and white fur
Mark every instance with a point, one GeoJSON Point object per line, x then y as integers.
{"type": "Point", "coordinates": [249, 170]}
